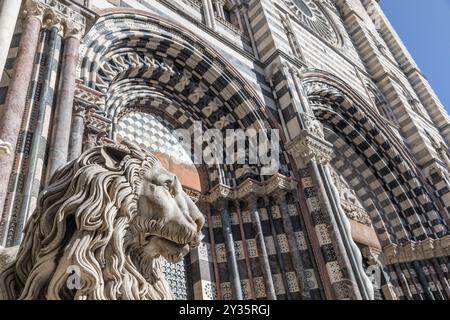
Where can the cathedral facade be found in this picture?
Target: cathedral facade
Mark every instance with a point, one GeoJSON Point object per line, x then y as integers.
{"type": "Point", "coordinates": [358, 205]}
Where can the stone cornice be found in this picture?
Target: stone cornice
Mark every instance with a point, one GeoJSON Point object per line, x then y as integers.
{"type": "Point", "coordinates": [88, 96]}
{"type": "Point", "coordinates": [307, 147]}
{"type": "Point", "coordinates": [250, 187]}
{"type": "Point", "coordinates": [416, 251]}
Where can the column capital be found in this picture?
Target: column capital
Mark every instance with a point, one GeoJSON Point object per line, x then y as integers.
{"type": "Point", "coordinates": [33, 9]}
{"type": "Point", "coordinates": [56, 14]}
{"type": "Point", "coordinates": [307, 147]}
{"type": "Point", "coordinates": [80, 110]}
{"type": "Point", "coordinates": [219, 192]}
{"type": "Point", "coordinates": [279, 182]}
{"type": "Point", "coordinates": [72, 29]}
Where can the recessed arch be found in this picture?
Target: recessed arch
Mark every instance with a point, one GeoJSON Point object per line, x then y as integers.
{"type": "Point", "coordinates": [133, 56]}
{"type": "Point", "coordinates": [349, 116]}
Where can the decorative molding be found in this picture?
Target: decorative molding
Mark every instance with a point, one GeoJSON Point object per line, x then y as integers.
{"type": "Point", "coordinates": [89, 97]}
{"type": "Point", "coordinates": [193, 194]}
{"type": "Point", "coordinates": [416, 251]}
{"type": "Point", "coordinates": [307, 147]}
{"type": "Point", "coordinates": [56, 13]}
{"type": "Point", "coordinates": [312, 125]}
{"type": "Point", "coordinates": [97, 122]}
{"type": "Point", "coordinates": [371, 254]}
{"type": "Point", "coordinates": [250, 187]}
{"type": "Point", "coordinates": [356, 213]}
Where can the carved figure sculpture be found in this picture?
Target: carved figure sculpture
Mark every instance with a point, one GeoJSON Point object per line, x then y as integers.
{"type": "Point", "coordinates": [101, 230]}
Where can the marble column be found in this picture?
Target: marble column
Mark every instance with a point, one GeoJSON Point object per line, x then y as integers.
{"type": "Point", "coordinates": [279, 255]}
{"type": "Point", "coordinates": [441, 275]}
{"type": "Point", "coordinates": [252, 201]}
{"type": "Point", "coordinates": [33, 175]}
{"type": "Point", "coordinates": [59, 143]}
{"type": "Point", "coordinates": [12, 113]}
{"type": "Point", "coordinates": [9, 12]}
{"type": "Point", "coordinates": [77, 132]}
{"type": "Point", "coordinates": [312, 153]}
{"type": "Point", "coordinates": [208, 13]}
{"type": "Point", "coordinates": [323, 192]}
{"type": "Point", "coordinates": [219, 8]}
{"type": "Point", "coordinates": [235, 281]}
{"type": "Point", "coordinates": [355, 259]}
{"type": "Point", "coordinates": [280, 198]}
{"type": "Point", "coordinates": [237, 205]}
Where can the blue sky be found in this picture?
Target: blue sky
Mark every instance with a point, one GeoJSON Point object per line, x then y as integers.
{"type": "Point", "coordinates": [424, 26]}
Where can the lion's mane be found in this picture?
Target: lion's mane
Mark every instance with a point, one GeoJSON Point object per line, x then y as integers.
{"type": "Point", "coordinates": [81, 223]}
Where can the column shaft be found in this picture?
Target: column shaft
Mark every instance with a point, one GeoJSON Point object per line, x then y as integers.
{"type": "Point", "coordinates": [11, 116]}
{"type": "Point", "coordinates": [262, 250]}
{"type": "Point", "coordinates": [353, 252]}
{"type": "Point", "coordinates": [213, 253]}
{"type": "Point", "coordinates": [59, 145]}
{"type": "Point", "coordinates": [280, 258]}
{"type": "Point", "coordinates": [37, 150]}
{"type": "Point", "coordinates": [233, 270]}
{"type": "Point", "coordinates": [295, 254]}
{"type": "Point", "coordinates": [9, 12]}
{"type": "Point", "coordinates": [76, 135]}
{"type": "Point", "coordinates": [245, 248]}
{"type": "Point", "coordinates": [344, 259]}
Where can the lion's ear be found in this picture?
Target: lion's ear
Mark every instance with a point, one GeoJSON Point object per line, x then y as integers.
{"type": "Point", "coordinates": [114, 155]}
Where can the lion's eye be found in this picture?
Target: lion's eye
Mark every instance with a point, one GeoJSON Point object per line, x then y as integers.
{"type": "Point", "coordinates": [168, 185]}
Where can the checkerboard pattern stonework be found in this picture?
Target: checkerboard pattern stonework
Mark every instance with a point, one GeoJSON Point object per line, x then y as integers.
{"type": "Point", "coordinates": [360, 205]}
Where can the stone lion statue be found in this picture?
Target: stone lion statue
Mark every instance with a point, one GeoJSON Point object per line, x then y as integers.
{"type": "Point", "coordinates": [101, 230]}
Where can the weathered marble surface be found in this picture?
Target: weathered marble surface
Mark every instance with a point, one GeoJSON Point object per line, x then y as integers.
{"type": "Point", "coordinates": [100, 230]}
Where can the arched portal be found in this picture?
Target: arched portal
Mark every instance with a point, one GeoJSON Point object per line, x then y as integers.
{"type": "Point", "coordinates": [378, 166]}
{"type": "Point", "coordinates": [157, 78]}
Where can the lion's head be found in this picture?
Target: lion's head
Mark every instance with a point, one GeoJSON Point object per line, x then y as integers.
{"type": "Point", "coordinates": [102, 227]}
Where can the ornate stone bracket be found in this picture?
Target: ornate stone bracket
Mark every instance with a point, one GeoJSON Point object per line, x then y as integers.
{"type": "Point", "coordinates": [249, 186]}
{"type": "Point", "coordinates": [89, 97]}
{"type": "Point", "coordinates": [371, 254]}
{"type": "Point", "coordinates": [356, 213]}
{"type": "Point", "coordinates": [312, 125]}
{"type": "Point", "coordinates": [307, 146]}
{"type": "Point", "coordinates": [416, 251]}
